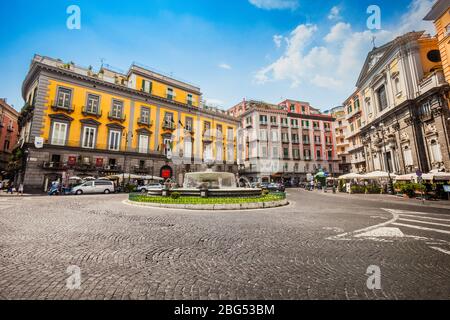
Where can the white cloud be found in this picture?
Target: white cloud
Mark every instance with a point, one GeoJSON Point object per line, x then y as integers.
{"type": "Point", "coordinates": [335, 61]}
{"type": "Point", "coordinates": [224, 66]}
{"type": "Point", "coordinates": [334, 13]}
{"type": "Point", "coordinates": [275, 4]}
{"type": "Point", "coordinates": [338, 32]}
{"type": "Point", "coordinates": [214, 102]}
{"type": "Point", "coordinates": [277, 40]}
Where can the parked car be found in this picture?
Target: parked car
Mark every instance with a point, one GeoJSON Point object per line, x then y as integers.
{"type": "Point", "coordinates": [276, 187]}
{"type": "Point", "coordinates": [150, 186]}
{"type": "Point", "coordinates": [96, 186]}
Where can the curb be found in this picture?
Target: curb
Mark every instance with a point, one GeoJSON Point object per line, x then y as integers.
{"type": "Point", "coordinates": [234, 206]}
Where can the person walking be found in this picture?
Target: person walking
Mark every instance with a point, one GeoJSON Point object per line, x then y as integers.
{"type": "Point", "coordinates": [20, 189]}
{"type": "Point", "coordinates": [10, 188]}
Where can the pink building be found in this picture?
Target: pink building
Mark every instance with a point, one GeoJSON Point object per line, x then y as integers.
{"type": "Point", "coordinates": [9, 130]}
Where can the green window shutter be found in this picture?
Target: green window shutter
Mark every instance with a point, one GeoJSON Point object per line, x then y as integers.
{"type": "Point", "coordinates": [143, 85]}
{"type": "Point", "coordinates": [150, 86]}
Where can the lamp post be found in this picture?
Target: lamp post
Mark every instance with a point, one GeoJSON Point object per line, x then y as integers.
{"type": "Point", "coordinates": [390, 185]}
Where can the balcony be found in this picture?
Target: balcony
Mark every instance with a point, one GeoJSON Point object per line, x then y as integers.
{"type": "Point", "coordinates": [295, 126]}
{"type": "Point", "coordinates": [118, 117]}
{"type": "Point", "coordinates": [285, 125]}
{"type": "Point", "coordinates": [435, 79]}
{"type": "Point", "coordinates": [170, 97]}
{"type": "Point", "coordinates": [168, 125]}
{"type": "Point", "coordinates": [263, 123]}
{"type": "Point", "coordinates": [207, 137]}
{"type": "Point", "coordinates": [145, 122]}
{"type": "Point", "coordinates": [87, 112]}
{"type": "Point", "coordinates": [353, 113]}
{"type": "Point", "coordinates": [316, 128]}
{"type": "Point", "coordinates": [295, 141]}
{"type": "Point", "coordinates": [306, 142]}
{"type": "Point", "coordinates": [317, 142]}
{"type": "Point", "coordinates": [274, 124]}
{"type": "Point", "coordinates": [66, 108]}
{"type": "Point", "coordinates": [249, 125]}
{"type": "Point", "coordinates": [307, 158]}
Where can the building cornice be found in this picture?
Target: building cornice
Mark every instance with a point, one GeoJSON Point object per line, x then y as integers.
{"type": "Point", "coordinates": [99, 84]}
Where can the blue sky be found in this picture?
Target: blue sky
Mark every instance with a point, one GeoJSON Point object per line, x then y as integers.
{"type": "Point", "coordinates": [262, 49]}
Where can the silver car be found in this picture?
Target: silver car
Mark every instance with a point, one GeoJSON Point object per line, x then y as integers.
{"type": "Point", "coordinates": [96, 186]}
{"type": "Point", "coordinates": [150, 186]}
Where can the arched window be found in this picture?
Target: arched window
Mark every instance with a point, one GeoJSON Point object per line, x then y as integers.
{"type": "Point", "coordinates": [407, 155]}
{"type": "Point", "coordinates": [436, 155]}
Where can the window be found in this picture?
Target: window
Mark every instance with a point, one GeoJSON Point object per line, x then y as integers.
{"type": "Point", "coordinates": [170, 94]}
{"type": "Point", "coordinates": [305, 139]}
{"type": "Point", "coordinates": [275, 154]}
{"type": "Point", "coordinates": [141, 164]}
{"type": "Point", "coordinates": [318, 154]}
{"type": "Point", "coordinates": [407, 155]}
{"type": "Point", "coordinates": [59, 133]}
{"type": "Point", "coordinates": [230, 134]}
{"type": "Point", "coordinates": [189, 124]}
{"type": "Point", "coordinates": [187, 148]}
{"type": "Point", "coordinates": [273, 120]}
{"type": "Point", "coordinates": [145, 115]}
{"type": "Point", "coordinates": [305, 124]}
{"type": "Point", "coordinates": [263, 135]}
{"type": "Point", "coordinates": [382, 99]}
{"type": "Point", "coordinates": [219, 152]}
{"type": "Point", "coordinates": [295, 138]}
{"type": "Point", "coordinates": [167, 142]}
{"type": "Point", "coordinates": [117, 108]}
{"type": "Point", "coordinates": [303, 109]}
{"type": "Point", "coordinates": [143, 143]}
{"type": "Point", "coordinates": [294, 123]}
{"type": "Point", "coordinates": [263, 119]}
{"type": "Point", "coordinates": [307, 154]}
{"type": "Point", "coordinates": [207, 152]}
{"type": "Point", "coordinates": [447, 30]}
{"type": "Point", "coordinates": [92, 104]}
{"type": "Point", "coordinates": [88, 137]}
{"type": "Point", "coordinates": [64, 97]}
{"type": "Point", "coordinates": [190, 99]}
{"type": "Point", "coordinates": [330, 155]}
{"type": "Point", "coordinates": [284, 137]}
{"type": "Point", "coordinates": [248, 121]}
{"type": "Point", "coordinates": [274, 136]}
{"type": "Point", "coordinates": [206, 128]}
{"type": "Point", "coordinates": [168, 120]}
{"type": "Point", "coordinates": [284, 122]}
{"type": "Point", "coordinates": [292, 108]}
{"type": "Point", "coordinates": [316, 125]}
{"type": "Point", "coordinates": [146, 86]}
{"type": "Point", "coordinates": [6, 145]}
{"type": "Point", "coordinates": [356, 104]}
{"type": "Point", "coordinates": [317, 139]}
{"type": "Point", "coordinates": [435, 151]}
{"type": "Point", "coordinates": [114, 140]}
{"type": "Point", "coordinates": [296, 153]}
{"type": "Point", "coordinates": [352, 127]}
{"type": "Point", "coordinates": [264, 151]}
{"type": "Point", "coordinates": [286, 153]}
{"type": "Point", "coordinates": [349, 109]}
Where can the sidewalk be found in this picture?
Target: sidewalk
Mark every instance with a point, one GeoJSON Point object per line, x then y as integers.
{"type": "Point", "coordinates": [386, 198]}
{"type": "Point", "coordinates": [3, 194]}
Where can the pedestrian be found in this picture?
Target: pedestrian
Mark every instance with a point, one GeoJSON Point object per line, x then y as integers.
{"type": "Point", "coordinates": [20, 189]}
{"type": "Point", "coordinates": [10, 188]}
{"type": "Point", "coordinates": [311, 185]}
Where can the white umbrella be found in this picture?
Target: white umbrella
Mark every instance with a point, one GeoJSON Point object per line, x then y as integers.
{"type": "Point", "coordinates": [151, 178]}
{"type": "Point", "coordinates": [350, 176]}
{"type": "Point", "coordinates": [406, 177]}
{"type": "Point", "coordinates": [75, 178]}
{"type": "Point", "coordinates": [378, 175]}
{"type": "Point", "coordinates": [88, 178]}
{"type": "Point", "coordinates": [438, 176]}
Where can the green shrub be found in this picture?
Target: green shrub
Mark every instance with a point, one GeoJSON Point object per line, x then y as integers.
{"type": "Point", "coordinates": [265, 192]}
{"type": "Point", "coordinates": [358, 189]}
{"type": "Point", "coordinates": [130, 188]}
{"type": "Point", "coordinates": [175, 195]}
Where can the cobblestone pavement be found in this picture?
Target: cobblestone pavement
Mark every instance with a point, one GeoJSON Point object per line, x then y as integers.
{"type": "Point", "coordinates": [317, 247]}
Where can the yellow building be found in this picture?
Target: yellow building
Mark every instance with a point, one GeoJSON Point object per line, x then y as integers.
{"type": "Point", "coordinates": [80, 122]}
{"type": "Point", "coordinates": [440, 14]}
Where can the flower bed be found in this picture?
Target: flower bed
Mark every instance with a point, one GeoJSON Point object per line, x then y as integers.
{"type": "Point", "coordinates": [271, 197]}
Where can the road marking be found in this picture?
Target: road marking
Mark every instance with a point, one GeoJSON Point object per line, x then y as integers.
{"type": "Point", "coordinates": [429, 218]}
{"type": "Point", "coordinates": [424, 222]}
{"type": "Point", "coordinates": [420, 228]}
{"type": "Point", "coordinates": [353, 233]}
{"type": "Point", "coordinates": [441, 250]}
{"type": "Point", "coordinates": [387, 232]}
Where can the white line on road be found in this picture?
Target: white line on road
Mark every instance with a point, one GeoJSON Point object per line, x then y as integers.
{"type": "Point", "coordinates": [429, 218]}
{"type": "Point", "coordinates": [420, 228]}
{"type": "Point", "coordinates": [441, 250]}
{"type": "Point", "coordinates": [424, 222]}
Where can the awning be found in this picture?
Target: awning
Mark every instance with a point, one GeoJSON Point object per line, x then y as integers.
{"type": "Point", "coordinates": [350, 176]}
{"type": "Point", "coordinates": [378, 175]}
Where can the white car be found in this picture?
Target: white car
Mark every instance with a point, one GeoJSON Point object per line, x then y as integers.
{"type": "Point", "coordinates": [147, 187]}
{"type": "Point", "coordinates": [96, 186]}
